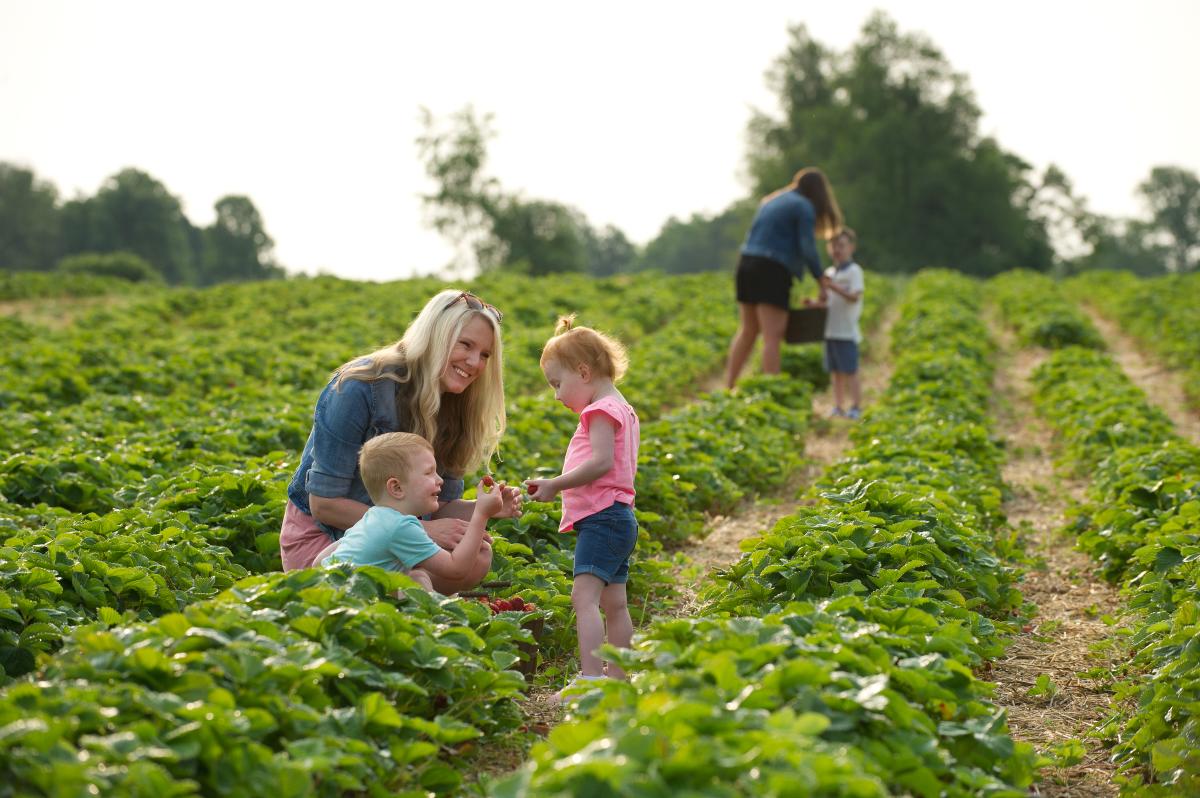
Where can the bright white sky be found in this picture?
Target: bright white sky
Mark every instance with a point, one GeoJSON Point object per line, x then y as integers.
{"type": "Point", "coordinates": [630, 111]}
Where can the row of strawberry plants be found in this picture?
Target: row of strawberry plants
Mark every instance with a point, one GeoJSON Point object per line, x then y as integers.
{"type": "Point", "coordinates": [1036, 308]}
{"type": "Point", "coordinates": [1160, 312]}
{"type": "Point", "coordinates": [1141, 520]}
{"type": "Point", "coordinates": [300, 684]}
{"type": "Point", "coordinates": [835, 657]}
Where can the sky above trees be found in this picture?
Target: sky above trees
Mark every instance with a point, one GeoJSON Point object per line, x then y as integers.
{"type": "Point", "coordinates": [630, 112]}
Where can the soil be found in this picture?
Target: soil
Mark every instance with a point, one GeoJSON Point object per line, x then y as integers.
{"type": "Point", "coordinates": [1161, 385]}
{"type": "Point", "coordinates": [1068, 640]}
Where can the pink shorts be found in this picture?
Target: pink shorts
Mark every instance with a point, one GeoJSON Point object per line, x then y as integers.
{"type": "Point", "coordinates": [301, 541]}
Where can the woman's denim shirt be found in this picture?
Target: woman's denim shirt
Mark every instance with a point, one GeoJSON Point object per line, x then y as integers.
{"type": "Point", "coordinates": [782, 231]}
{"type": "Point", "coordinates": [343, 421]}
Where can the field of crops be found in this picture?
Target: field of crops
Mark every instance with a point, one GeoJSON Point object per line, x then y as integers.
{"type": "Point", "coordinates": [150, 645]}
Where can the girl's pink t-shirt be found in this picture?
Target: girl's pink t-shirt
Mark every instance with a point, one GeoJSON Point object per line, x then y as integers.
{"type": "Point", "coordinates": [617, 484]}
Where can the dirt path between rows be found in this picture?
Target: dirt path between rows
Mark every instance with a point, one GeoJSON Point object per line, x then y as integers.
{"type": "Point", "coordinates": [1161, 385]}
{"type": "Point", "coordinates": [1071, 598]}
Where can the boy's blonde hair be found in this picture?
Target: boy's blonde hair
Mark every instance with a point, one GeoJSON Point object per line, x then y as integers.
{"type": "Point", "coordinates": [574, 346]}
{"type": "Point", "coordinates": [386, 456]}
{"type": "Point", "coordinates": [465, 428]}
{"type": "Point", "coordinates": [848, 234]}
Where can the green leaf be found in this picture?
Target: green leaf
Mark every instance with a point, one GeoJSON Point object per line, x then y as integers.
{"type": "Point", "coordinates": [378, 711]}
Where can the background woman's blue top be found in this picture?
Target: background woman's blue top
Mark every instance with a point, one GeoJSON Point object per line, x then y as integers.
{"type": "Point", "coordinates": [343, 421]}
{"type": "Point", "coordinates": [782, 230]}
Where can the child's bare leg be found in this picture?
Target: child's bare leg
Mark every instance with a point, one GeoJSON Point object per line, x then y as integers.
{"type": "Point", "coordinates": [479, 569]}
{"type": "Point", "coordinates": [422, 578]}
{"type": "Point", "coordinates": [325, 552]}
{"type": "Point", "coordinates": [585, 597]}
{"type": "Point", "coordinates": [839, 390]}
{"type": "Point", "coordinates": [855, 385]}
{"type": "Point", "coordinates": [617, 621]}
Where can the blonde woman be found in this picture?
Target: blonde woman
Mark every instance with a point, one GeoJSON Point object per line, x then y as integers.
{"type": "Point", "coordinates": [443, 381]}
{"type": "Point", "coordinates": [780, 245]}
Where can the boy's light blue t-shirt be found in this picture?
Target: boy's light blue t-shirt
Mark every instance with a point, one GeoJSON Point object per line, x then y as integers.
{"type": "Point", "coordinates": [385, 538]}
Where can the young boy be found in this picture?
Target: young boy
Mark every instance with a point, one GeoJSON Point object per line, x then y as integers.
{"type": "Point", "coordinates": [400, 472]}
{"type": "Point", "coordinates": [844, 283]}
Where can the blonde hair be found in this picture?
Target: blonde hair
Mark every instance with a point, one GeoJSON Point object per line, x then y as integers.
{"type": "Point", "coordinates": [575, 346]}
{"type": "Point", "coordinates": [464, 428]}
{"type": "Point", "coordinates": [386, 456]}
{"type": "Point", "coordinates": [813, 185]}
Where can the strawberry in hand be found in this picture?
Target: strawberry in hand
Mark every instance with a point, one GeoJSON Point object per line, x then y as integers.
{"type": "Point", "coordinates": [541, 490]}
{"type": "Point", "coordinates": [489, 497]}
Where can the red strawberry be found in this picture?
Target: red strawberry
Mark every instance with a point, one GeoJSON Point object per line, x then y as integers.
{"type": "Point", "coordinates": [504, 605]}
{"type": "Point", "coordinates": [488, 481]}
{"type": "Point", "coordinates": [517, 602]}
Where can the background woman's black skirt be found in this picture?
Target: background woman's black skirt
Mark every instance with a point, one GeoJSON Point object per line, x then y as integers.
{"type": "Point", "coordinates": [763, 281]}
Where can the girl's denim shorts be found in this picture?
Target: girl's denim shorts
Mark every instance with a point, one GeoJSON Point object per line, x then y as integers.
{"type": "Point", "coordinates": [604, 542]}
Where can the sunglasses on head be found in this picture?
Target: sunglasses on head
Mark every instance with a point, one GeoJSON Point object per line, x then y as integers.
{"type": "Point", "coordinates": [475, 303]}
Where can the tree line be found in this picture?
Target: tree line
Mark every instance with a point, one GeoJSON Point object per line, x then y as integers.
{"type": "Point", "coordinates": [890, 122]}
{"type": "Point", "coordinates": [894, 127]}
{"type": "Point", "coordinates": [133, 228]}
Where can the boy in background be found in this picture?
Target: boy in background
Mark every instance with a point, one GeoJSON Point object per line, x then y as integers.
{"type": "Point", "coordinates": [844, 284]}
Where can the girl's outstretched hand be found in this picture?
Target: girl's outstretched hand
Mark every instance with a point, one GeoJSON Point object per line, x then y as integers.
{"type": "Point", "coordinates": [541, 490]}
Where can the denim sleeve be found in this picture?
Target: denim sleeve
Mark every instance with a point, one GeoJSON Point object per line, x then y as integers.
{"type": "Point", "coordinates": [806, 222]}
{"type": "Point", "coordinates": [452, 488]}
{"type": "Point", "coordinates": [339, 429]}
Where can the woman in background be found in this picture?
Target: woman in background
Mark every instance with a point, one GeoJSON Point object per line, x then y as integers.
{"type": "Point", "coordinates": [781, 243]}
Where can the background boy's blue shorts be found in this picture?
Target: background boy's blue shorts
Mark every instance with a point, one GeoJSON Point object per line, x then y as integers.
{"type": "Point", "coordinates": [604, 542]}
{"type": "Point", "coordinates": [841, 355]}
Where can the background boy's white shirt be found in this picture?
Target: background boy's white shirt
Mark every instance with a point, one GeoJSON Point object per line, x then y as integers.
{"type": "Point", "coordinates": [841, 321]}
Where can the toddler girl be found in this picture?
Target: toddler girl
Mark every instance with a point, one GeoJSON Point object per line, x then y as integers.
{"type": "Point", "coordinates": [582, 366]}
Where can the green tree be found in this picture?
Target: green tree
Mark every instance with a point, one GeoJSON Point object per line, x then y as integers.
{"type": "Point", "coordinates": [544, 236]}
{"type": "Point", "coordinates": [236, 246]}
{"type": "Point", "coordinates": [30, 222]}
{"type": "Point", "coordinates": [701, 243]}
{"type": "Point", "coordinates": [135, 213]}
{"type": "Point", "coordinates": [609, 252]}
{"type": "Point", "coordinates": [895, 130]}
{"type": "Point", "coordinates": [1063, 214]}
{"type": "Point", "coordinates": [1173, 195]}
{"type": "Point", "coordinates": [1120, 244]}
{"type": "Point", "coordinates": [467, 201]}
{"type": "Point", "coordinates": [79, 225]}
{"type": "Point", "coordinates": [497, 228]}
